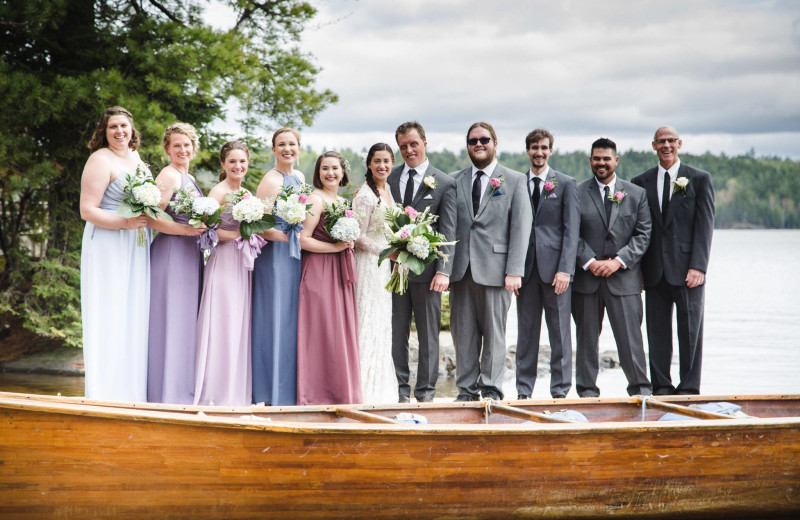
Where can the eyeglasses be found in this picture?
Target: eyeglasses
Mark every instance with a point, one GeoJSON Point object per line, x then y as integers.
{"type": "Point", "coordinates": [474, 140]}
{"type": "Point", "coordinates": [671, 140]}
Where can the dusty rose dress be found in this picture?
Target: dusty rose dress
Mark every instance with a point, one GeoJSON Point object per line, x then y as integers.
{"type": "Point", "coordinates": [328, 366]}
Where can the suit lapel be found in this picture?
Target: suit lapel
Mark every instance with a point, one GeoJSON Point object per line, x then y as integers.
{"type": "Point", "coordinates": [677, 197]}
{"type": "Point", "coordinates": [543, 195]}
{"type": "Point", "coordinates": [487, 193]}
{"type": "Point", "coordinates": [465, 185]}
{"type": "Point", "coordinates": [394, 183]}
{"type": "Point", "coordinates": [616, 206]}
{"type": "Point", "coordinates": [421, 192]}
{"type": "Point", "coordinates": [651, 187]}
{"type": "Point", "coordinates": [595, 197]}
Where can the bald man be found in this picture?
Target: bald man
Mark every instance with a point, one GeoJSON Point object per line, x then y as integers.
{"type": "Point", "coordinates": [681, 200]}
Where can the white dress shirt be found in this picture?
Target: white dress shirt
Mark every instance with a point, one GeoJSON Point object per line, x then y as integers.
{"type": "Point", "coordinates": [421, 169]}
{"type": "Point", "coordinates": [542, 177]}
{"type": "Point", "coordinates": [673, 175]}
{"type": "Point", "coordinates": [488, 171]}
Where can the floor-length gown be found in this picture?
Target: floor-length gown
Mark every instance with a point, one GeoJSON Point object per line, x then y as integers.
{"type": "Point", "coordinates": [176, 273]}
{"type": "Point", "coordinates": [223, 325]}
{"type": "Point", "coordinates": [276, 282]}
{"type": "Point", "coordinates": [115, 298]}
{"type": "Point", "coordinates": [374, 302]}
{"type": "Point", "coordinates": [328, 369]}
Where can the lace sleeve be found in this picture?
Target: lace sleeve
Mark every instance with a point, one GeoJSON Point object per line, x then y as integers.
{"type": "Point", "coordinates": [364, 207]}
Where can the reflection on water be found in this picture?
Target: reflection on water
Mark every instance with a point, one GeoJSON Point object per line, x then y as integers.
{"type": "Point", "coordinates": [41, 384]}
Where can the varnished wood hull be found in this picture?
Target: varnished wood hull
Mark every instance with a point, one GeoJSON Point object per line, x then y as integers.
{"type": "Point", "coordinates": [66, 460]}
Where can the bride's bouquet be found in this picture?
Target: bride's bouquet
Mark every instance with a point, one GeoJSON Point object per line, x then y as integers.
{"type": "Point", "coordinates": [341, 222]}
{"type": "Point", "coordinates": [292, 206]}
{"type": "Point", "coordinates": [411, 234]}
{"type": "Point", "coordinates": [250, 212]}
{"type": "Point", "coordinates": [200, 210]}
{"type": "Point", "coordinates": [142, 196]}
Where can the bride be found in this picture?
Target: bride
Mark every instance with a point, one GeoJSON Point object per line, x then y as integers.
{"type": "Point", "coordinates": [374, 302]}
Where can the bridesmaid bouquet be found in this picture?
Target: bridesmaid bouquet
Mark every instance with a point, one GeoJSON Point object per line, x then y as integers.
{"type": "Point", "coordinates": [411, 234]}
{"type": "Point", "coordinates": [200, 210]}
{"type": "Point", "coordinates": [251, 213]}
{"type": "Point", "coordinates": [143, 196]}
{"type": "Point", "coordinates": [292, 206]}
{"type": "Point", "coordinates": [341, 222]}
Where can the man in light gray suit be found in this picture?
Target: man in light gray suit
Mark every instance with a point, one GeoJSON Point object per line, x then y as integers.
{"type": "Point", "coordinates": [549, 268]}
{"type": "Point", "coordinates": [493, 227]}
{"type": "Point", "coordinates": [614, 233]}
{"type": "Point", "coordinates": [418, 184]}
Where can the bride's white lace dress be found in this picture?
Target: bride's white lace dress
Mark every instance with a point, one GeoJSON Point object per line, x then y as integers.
{"type": "Point", "coordinates": [374, 302]}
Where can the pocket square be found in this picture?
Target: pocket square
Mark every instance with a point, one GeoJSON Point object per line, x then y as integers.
{"type": "Point", "coordinates": [498, 193]}
{"type": "Point", "coordinates": [552, 196]}
{"type": "Point", "coordinates": [428, 196]}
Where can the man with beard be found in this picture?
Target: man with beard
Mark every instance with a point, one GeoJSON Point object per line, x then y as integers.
{"type": "Point", "coordinates": [493, 226]}
{"type": "Point", "coordinates": [614, 233]}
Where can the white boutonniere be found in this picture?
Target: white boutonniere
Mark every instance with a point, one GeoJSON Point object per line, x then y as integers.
{"type": "Point", "coordinates": [430, 182]}
{"type": "Point", "coordinates": [680, 184]}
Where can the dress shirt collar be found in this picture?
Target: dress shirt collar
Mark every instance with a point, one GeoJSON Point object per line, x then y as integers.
{"type": "Point", "coordinates": [610, 185]}
{"type": "Point", "coordinates": [673, 171]}
{"type": "Point", "coordinates": [421, 169]}
{"type": "Point", "coordinates": [542, 176]}
{"type": "Point", "coordinates": [489, 170]}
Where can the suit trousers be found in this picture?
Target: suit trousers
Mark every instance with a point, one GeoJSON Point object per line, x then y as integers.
{"type": "Point", "coordinates": [625, 314]}
{"type": "Point", "coordinates": [535, 296]}
{"type": "Point", "coordinates": [689, 303]}
{"type": "Point", "coordinates": [478, 325]}
{"type": "Point", "coordinates": [427, 310]}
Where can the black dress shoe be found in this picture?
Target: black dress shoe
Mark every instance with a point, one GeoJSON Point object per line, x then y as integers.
{"type": "Point", "coordinates": [424, 399]}
{"type": "Point", "coordinates": [559, 396]}
{"type": "Point", "coordinates": [520, 397]}
{"type": "Point", "coordinates": [404, 399]}
{"type": "Point", "coordinates": [463, 398]}
{"type": "Point", "coordinates": [491, 395]}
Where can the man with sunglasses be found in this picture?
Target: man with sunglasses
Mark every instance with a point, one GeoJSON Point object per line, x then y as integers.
{"type": "Point", "coordinates": [493, 226]}
{"type": "Point", "coordinates": [681, 200]}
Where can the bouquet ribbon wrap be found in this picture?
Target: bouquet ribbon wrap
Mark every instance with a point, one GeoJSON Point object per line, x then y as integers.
{"type": "Point", "coordinates": [293, 232]}
{"type": "Point", "coordinates": [250, 249]}
{"type": "Point", "coordinates": [208, 239]}
{"type": "Point", "coordinates": [349, 267]}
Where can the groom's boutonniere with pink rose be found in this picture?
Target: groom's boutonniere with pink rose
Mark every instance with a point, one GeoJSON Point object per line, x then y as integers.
{"type": "Point", "coordinates": [549, 186]}
{"type": "Point", "coordinates": [617, 197]}
{"type": "Point", "coordinates": [496, 183]}
{"type": "Point", "coordinates": [680, 184]}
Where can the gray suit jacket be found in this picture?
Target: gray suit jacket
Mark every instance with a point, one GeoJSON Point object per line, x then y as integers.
{"type": "Point", "coordinates": [554, 235]}
{"type": "Point", "coordinates": [684, 240]}
{"type": "Point", "coordinates": [494, 241]}
{"type": "Point", "coordinates": [442, 201]}
{"type": "Point", "coordinates": [625, 235]}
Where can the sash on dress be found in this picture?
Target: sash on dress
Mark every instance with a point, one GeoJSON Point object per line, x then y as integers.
{"type": "Point", "coordinates": [250, 249]}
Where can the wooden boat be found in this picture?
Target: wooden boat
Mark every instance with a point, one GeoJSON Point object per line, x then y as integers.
{"type": "Point", "coordinates": [76, 458]}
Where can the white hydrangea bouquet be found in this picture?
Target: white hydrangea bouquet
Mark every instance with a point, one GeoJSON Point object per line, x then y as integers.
{"type": "Point", "coordinates": [341, 222]}
{"type": "Point", "coordinates": [292, 207]}
{"type": "Point", "coordinates": [200, 210]}
{"type": "Point", "coordinates": [142, 196]}
{"type": "Point", "coordinates": [411, 234]}
{"type": "Point", "coordinates": [250, 212]}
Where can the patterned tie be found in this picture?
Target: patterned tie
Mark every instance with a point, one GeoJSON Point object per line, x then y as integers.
{"type": "Point", "coordinates": [476, 191]}
{"type": "Point", "coordinates": [607, 203]}
{"type": "Point", "coordinates": [408, 196]}
{"type": "Point", "coordinates": [535, 195]}
{"type": "Point", "coordinates": [665, 198]}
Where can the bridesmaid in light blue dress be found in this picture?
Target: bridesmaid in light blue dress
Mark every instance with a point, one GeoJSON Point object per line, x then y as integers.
{"type": "Point", "coordinates": [115, 271]}
{"type": "Point", "coordinates": [276, 282]}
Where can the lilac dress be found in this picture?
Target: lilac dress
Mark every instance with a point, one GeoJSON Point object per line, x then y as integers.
{"type": "Point", "coordinates": [223, 324]}
{"type": "Point", "coordinates": [176, 274]}
{"type": "Point", "coordinates": [328, 366]}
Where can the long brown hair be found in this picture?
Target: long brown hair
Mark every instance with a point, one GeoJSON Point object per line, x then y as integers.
{"type": "Point", "coordinates": [99, 139]}
{"type": "Point", "coordinates": [228, 148]}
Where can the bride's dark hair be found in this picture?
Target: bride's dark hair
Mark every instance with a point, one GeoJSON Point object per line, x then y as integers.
{"type": "Point", "coordinates": [377, 147]}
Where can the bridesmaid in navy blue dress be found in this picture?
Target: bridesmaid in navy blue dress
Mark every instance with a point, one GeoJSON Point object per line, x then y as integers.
{"type": "Point", "coordinates": [276, 282]}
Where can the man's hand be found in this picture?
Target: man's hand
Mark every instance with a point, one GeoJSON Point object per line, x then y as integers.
{"type": "Point", "coordinates": [561, 282]}
{"type": "Point", "coordinates": [440, 282]}
{"type": "Point", "coordinates": [694, 278]}
{"type": "Point", "coordinates": [513, 283]}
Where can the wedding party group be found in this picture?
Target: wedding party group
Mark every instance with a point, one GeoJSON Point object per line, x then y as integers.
{"type": "Point", "coordinates": [294, 295]}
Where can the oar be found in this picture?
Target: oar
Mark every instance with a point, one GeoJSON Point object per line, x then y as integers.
{"type": "Point", "coordinates": [365, 417]}
{"type": "Point", "coordinates": [645, 401]}
{"type": "Point", "coordinates": [519, 413]}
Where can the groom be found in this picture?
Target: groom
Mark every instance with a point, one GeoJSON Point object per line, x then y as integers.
{"type": "Point", "coordinates": [493, 228]}
{"type": "Point", "coordinates": [418, 184]}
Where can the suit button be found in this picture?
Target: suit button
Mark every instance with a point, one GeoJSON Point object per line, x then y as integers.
{"type": "Point", "coordinates": [472, 226]}
{"type": "Point", "coordinates": [609, 237]}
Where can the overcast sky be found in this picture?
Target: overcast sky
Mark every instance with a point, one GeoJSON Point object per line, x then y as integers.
{"type": "Point", "coordinates": [725, 73]}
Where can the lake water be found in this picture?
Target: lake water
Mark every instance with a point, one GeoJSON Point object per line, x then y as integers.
{"type": "Point", "coordinates": [752, 326]}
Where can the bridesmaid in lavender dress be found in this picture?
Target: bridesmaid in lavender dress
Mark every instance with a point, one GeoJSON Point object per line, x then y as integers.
{"type": "Point", "coordinates": [223, 325]}
{"type": "Point", "coordinates": [176, 271]}
{"type": "Point", "coordinates": [328, 370]}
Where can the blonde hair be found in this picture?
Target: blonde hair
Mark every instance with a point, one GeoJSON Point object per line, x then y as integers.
{"type": "Point", "coordinates": [183, 129]}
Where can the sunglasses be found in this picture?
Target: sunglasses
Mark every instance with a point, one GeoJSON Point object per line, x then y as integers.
{"type": "Point", "coordinates": [475, 140]}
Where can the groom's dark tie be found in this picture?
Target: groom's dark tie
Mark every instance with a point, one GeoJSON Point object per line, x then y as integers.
{"type": "Point", "coordinates": [665, 198]}
{"type": "Point", "coordinates": [607, 203]}
{"type": "Point", "coordinates": [535, 194]}
{"type": "Point", "coordinates": [476, 191]}
{"type": "Point", "coordinates": [408, 196]}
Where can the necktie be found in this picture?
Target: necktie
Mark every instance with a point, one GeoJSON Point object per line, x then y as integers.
{"type": "Point", "coordinates": [607, 202]}
{"type": "Point", "coordinates": [408, 196]}
{"type": "Point", "coordinates": [476, 191]}
{"type": "Point", "coordinates": [665, 198]}
{"type": "Point", "coordinates": [535, 195]}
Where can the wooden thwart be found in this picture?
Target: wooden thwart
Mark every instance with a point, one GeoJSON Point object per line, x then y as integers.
{"type": "Point", "coordinates": [365, 417]}
{"type": "Point", "coordinates": [680, 409]}
{"type": "Point", "coordinates": [519, 413]}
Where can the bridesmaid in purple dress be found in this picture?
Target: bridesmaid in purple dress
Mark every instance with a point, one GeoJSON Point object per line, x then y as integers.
{"type": "Point", "coordinates": [223, 324]}
{"type": "Point", "coordinates": [328, 367]}
{"type": "Point", "coordinates": [176, 270]}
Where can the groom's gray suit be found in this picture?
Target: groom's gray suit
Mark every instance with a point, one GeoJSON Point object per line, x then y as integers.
{"type": "Point", "coordinates": [492, 243]}
{"type": "Point", "coordinates": [425, 303]}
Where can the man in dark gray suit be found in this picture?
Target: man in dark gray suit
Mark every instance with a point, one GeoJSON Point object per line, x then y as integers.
{"type": "Point", "coordinates": [682, 207]}
{"type": "Point", "coordinates": [614, 232]}
{"type": "Point", "coordinates": [549, 268]}
{"type": "Point", "coordinates": [493, 227]}
{"type": "Point", "coordinates": [418, 184]}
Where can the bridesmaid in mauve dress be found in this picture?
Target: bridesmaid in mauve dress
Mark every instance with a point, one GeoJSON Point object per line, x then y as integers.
{"type": "Point", "coordinates": [115, 270]}
{"type": "Point", "coordinates": [328, 367]}
{"type": "Point", "coordinates": [276, 282]}
{"type": "Point", "coordinates": [176, 271]}
{"type": "Point", "coordinates": [223, 324]}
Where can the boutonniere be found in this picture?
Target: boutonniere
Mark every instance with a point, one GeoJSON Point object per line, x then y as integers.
{"type": "Point", "coordinates": [680, 184]}
{"type": "Point", "coordinates": [496, 183]}
{"type": "Point", "coordinates": [549, 186]}
{"type": "Point", "coordinates": [617, 197]}
{"type": "Point", "coordinates": [430, 182]}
